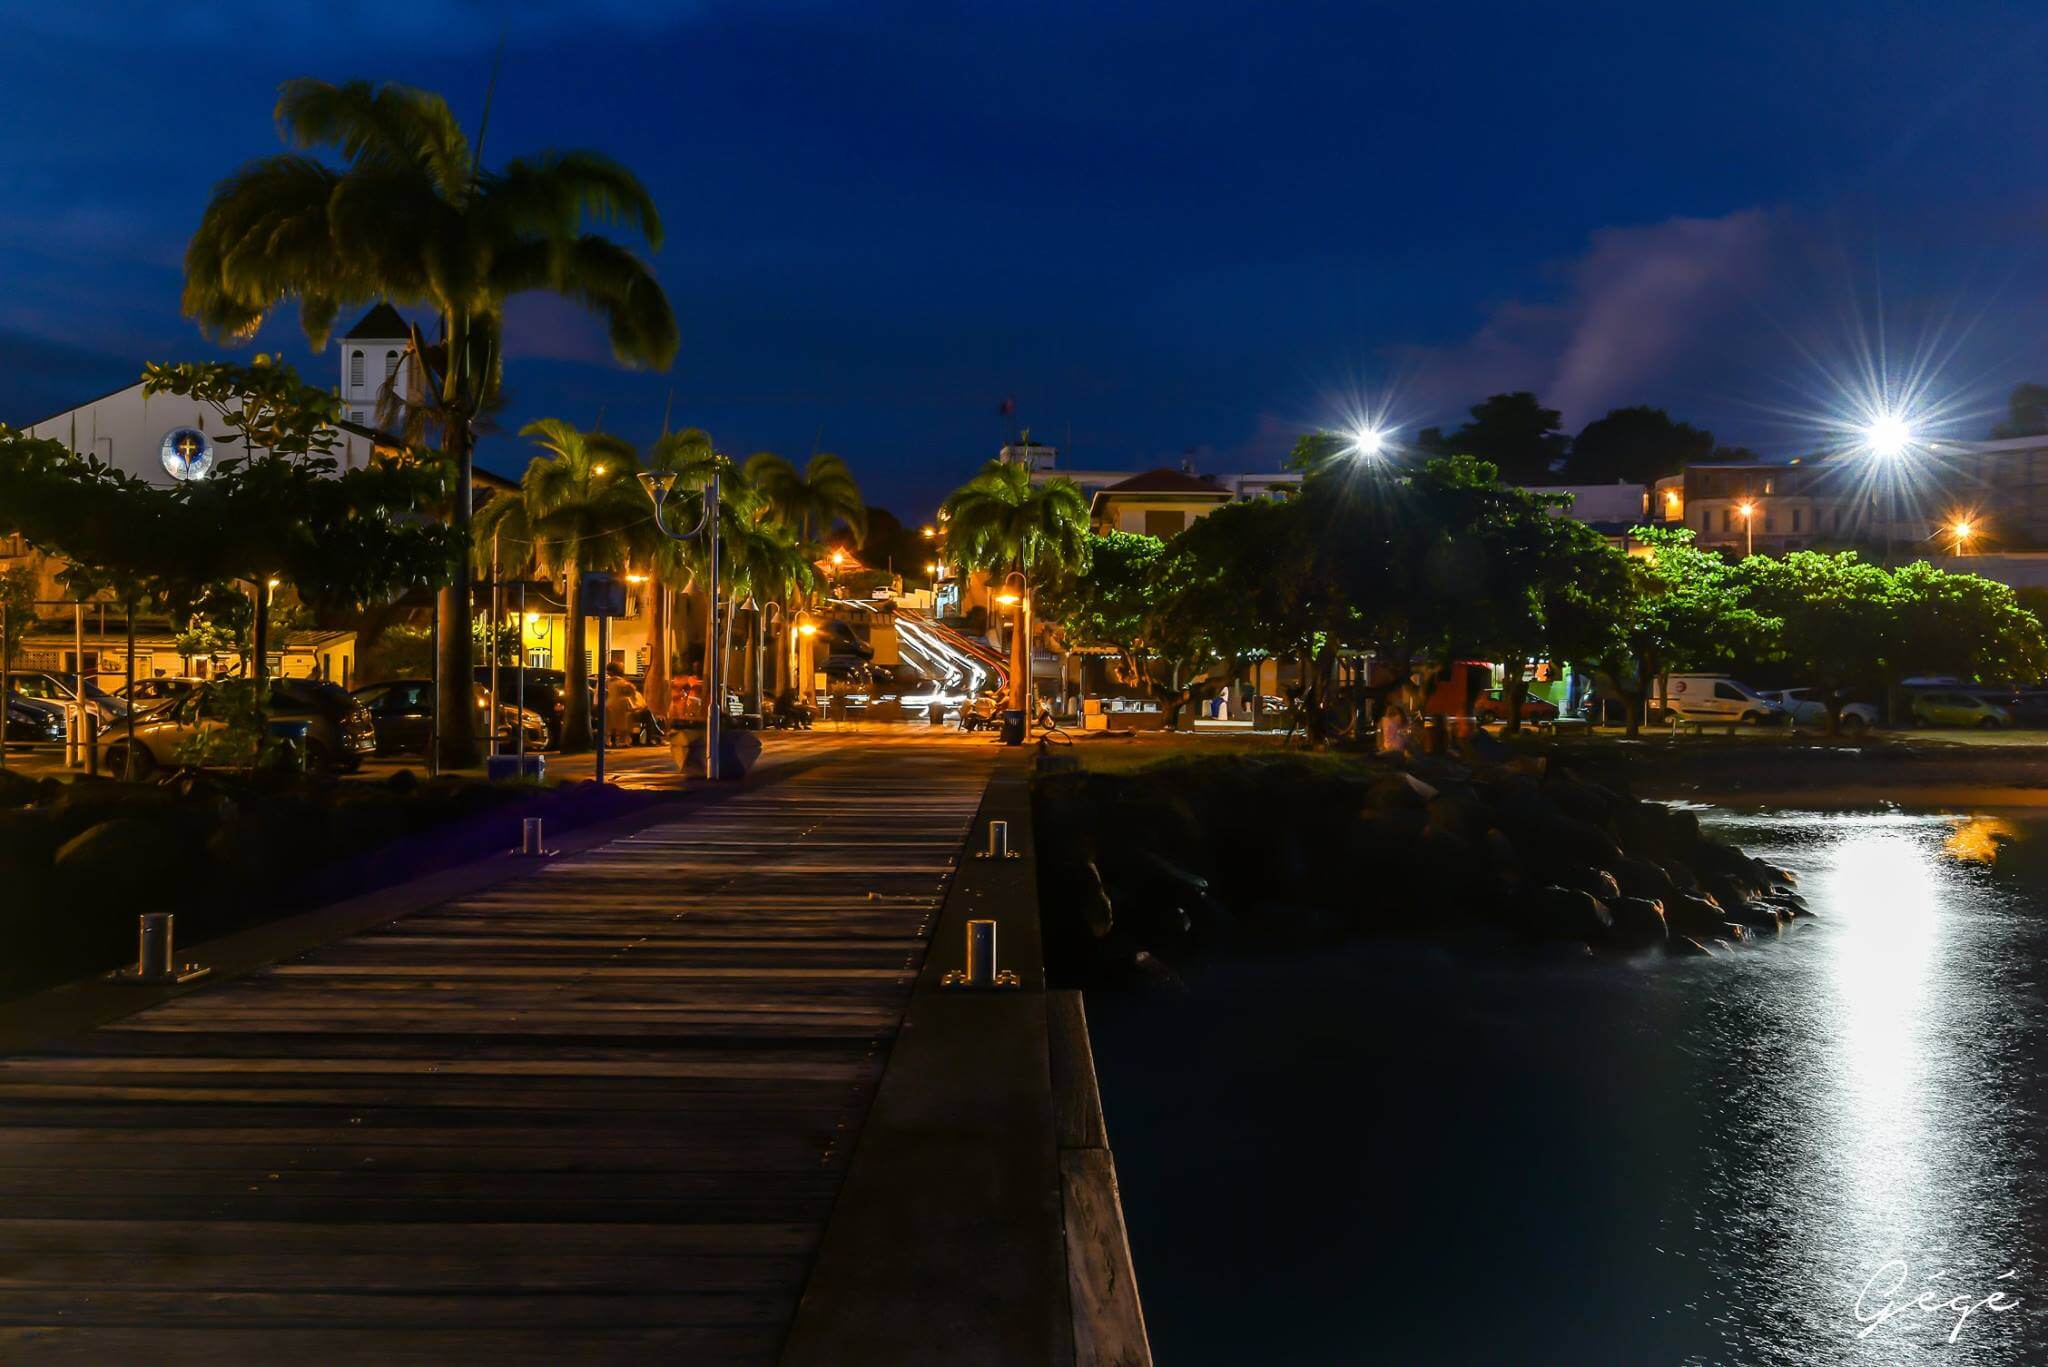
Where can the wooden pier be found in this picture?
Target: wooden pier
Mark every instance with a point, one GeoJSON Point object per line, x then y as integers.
{"type": "Point", "coordinates": [598, 1113]}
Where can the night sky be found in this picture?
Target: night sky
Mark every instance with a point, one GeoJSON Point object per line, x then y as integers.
{"type": "Point", "coordinates": [1165, 229]}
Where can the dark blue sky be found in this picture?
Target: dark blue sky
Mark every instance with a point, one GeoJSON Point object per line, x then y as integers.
{"type": "Point", "coordinates": [1163, 228]}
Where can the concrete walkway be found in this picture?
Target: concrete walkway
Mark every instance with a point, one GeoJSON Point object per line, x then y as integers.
{"type": "Point", "coordinates": [598, 1113]}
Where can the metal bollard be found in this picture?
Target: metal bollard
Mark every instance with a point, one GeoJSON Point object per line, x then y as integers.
{"type": "Point", "coordinates": [153, 951]}
{"type": "Point", "coordinates": [998, 842]}
{"type": "Point", "coordinates": [981, 971]}
{"type": "Point", "coordinates": [531, 842]}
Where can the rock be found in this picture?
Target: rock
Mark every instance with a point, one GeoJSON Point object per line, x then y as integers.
{"type": "Point", "coordinates": [1639, 877]}
{"type": "Point", "coordinates": [1097, 909]}
{"type": "Point", "coordinates": [1566, 914]}
{"type": "Point", "coordinates": [1152, 971]}
{"type": "Point", "coordinates": [1736, 933]}
{"type": "Point", "coordinates": [1593, 882]}
{"type": "Point", "coordinates": [1690, 914]}
{"type": "Point", "coordinates": [1684, 946]}
{"type": "Point", "coordinates": [1398, 792]}
{"type": "Point", "coordinates": [1638, 920]}
{"type": "Point", "coordinates": [17, 790]}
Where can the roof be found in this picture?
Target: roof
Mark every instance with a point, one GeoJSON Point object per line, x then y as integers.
{"type": "Point", "coordinates": [380, 323]}
{"type": "Point", "coordinates": [1166, 481]}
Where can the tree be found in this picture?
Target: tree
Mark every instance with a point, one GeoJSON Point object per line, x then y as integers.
{"type": "Point", "coordinates": [413, 216]}
{"type": "Point", "coordinates": [1962, 625]}
{"type": "Point", "coordinates": [1687, 609]}
{"type": "Point", "coordinates": [1836, 619]}
{"type": "Point", "coordinates": [1111, 605]}
{"type": "Point", "coordinates": [1003, 522]}
{"type": "Point", "coordinates": [810, 502]}
{"type": "Point", "coordinates": [1514, 433]}
{"type": "Point", "coordinates": [1636, 445]}
{"type": "Point", "coordinates": [18, 604]}
{"type": "Point", "coordinates": [691, 457]}
{"type": "Point", "coordinates": [2026, 413]}
{"type": "Point", "coordinates": [580, 509]}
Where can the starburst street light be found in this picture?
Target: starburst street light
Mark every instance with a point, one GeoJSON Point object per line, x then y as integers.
{"type": "Point", "coordinates": [1368, 443]}
{"type": "Point", "coordinates": [1748, 511]}
{"type": "Point", "coordinates": [1888, 436]}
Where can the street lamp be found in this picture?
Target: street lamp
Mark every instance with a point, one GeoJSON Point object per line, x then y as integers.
{"type": "Point", "coordinates": [1889, 438]}
{"type": "Point", "coordinates": [659, 485]}
{"type": "Point", "coordinates": [1962, 531]}
{"type": "Point", "coordinates": [1018, 600]}
{"type": "Point", "coordinates": [1368, 443]}
{"type": "Point", "coordinates": [806, 630]}
{"type": "Point", "coordinates": [1748, 511]}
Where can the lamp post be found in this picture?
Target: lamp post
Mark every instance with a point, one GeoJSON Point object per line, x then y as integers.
{"type": "Point", "coordinates": [1748, 511]}
{"type": "Point", "coordinates": [761, 619]}
{"type": "Point", "coordinates": [1889, 437]}
{"type": "Point", "coordinates": [1019, 602]}
{"type": "Point", "coordinates": [1962, 531]}
{"type": "Point", "coordinates": [659, 484]}
{"type": "Point", "coordinates": [806, 630]}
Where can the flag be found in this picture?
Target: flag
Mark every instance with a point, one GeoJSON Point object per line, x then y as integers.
{"type": "Point", "coordinates": [1007, 407]}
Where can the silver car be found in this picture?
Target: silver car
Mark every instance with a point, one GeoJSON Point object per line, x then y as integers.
{"type": "Point", "coordinates": [1809, 710]}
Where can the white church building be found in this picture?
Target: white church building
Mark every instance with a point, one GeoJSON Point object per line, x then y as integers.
{"type": "Point", "coordinates": [164, 438]}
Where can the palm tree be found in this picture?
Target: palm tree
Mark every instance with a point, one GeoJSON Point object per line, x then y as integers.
{"type": "Point", "coordinates": [812, 501]}
{"type": "Point", "coordinates": [1001, 522]}
{"type": "Point", "coordinates": [767, 565]}
{"type": "Point", "coordinates": [690, 457]}
{"type": "Point", "coordinates": [580, 507]}
{"type": "Point", "coordinates": [412, 216]}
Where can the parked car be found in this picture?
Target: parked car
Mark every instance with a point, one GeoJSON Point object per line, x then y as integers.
{"type": "Point", "coordinates": [31, 723]}
{"type": "Point", "coordinates": [151, 695]}
{"type": "Point", "coordinates": [1492, 706]}
{"type": "Point", "coordinates": [403, 710]}
{"type": "Point", "coordinates": [1808, 708]}
{"type": "Point", "coordinates": [339, 729]}
{"type": "Point", "coordinates": [545, 692]}
{"type": "Point", "coordinates": [1952, 707]}
{"type": "Point", "coordinates": [1716, 697]}
{"type": "Point", "coordinates": [2026, 706]}
{"type": "Point", "coordinates": [44, 686]}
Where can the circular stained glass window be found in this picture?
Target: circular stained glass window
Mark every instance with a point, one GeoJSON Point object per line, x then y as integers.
{"type": "Point", "coordinates": [188, 453]}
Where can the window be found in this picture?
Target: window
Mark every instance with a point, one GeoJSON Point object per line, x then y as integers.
{"type": "Point", "coordinates": [1165, 522]}
{"type": "Point", "coordinates": [1728, 692]}
{"type": "Point", "coordinates": [355, 415]}
{"type": "Point", "coordinates": [1795, 519]}
{"type": "Point", "coordinates": [355, 369]}
{"type": "Point", "coordinates": [1727, 520]}
{"type": "Point", "coordinates": [390, 364]}
{"type": "Point", "coordinates": [1706, 519]}
{"type": "Point", "coordinates": [1770, 521]}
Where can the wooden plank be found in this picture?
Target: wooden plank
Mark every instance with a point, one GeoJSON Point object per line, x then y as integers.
{"type": "Point", "coordinates": [1076, 1101]}
{"type": "Point", "coordinates": [1109, 1324]}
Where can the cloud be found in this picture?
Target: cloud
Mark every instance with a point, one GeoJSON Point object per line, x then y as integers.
{"type": "Point", "coordinates": [1634, 303]}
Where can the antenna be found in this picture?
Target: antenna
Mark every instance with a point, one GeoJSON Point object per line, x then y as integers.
{"type": "Point", "coordinates": [667, 409]}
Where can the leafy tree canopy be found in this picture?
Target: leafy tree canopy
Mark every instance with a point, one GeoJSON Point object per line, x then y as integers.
{"type": "Point", "coordinates": [1514, 433]}
{"type": "Point", "coordinates": [1635, 445]}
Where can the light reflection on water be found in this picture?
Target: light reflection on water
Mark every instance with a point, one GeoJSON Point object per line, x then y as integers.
{"type": "Point", "coordinates": [1655, 1161]}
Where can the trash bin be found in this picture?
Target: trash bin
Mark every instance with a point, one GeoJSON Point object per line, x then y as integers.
{"type": "Point", "coordinates": [936, 714]}
{"type": "Point", "coordinates": [1013, 726]}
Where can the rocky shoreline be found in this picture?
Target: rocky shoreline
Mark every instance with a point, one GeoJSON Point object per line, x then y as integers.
{"type": "Point", "coordinates": [1145, 873]}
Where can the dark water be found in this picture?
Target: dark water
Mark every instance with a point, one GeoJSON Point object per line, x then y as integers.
{"type": "Point", "coordinates": [1390, 1155]}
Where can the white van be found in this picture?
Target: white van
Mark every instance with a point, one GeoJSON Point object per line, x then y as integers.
{"type": "Point", "coordinates": [1715, 697]}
